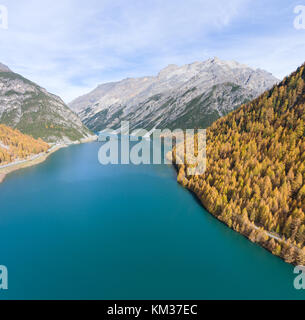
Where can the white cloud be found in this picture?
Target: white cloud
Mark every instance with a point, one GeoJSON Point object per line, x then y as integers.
{"type": "Point", "coordinates": [70, 46]}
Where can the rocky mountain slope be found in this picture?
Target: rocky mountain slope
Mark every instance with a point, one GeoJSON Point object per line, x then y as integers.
{"type": "Point", "coordinates": [189, 96]}
{"type": "Point", "coordinates": [26, 106]}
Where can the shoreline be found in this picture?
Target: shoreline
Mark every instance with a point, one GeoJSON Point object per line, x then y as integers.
{"type": "Point", "coordinates": [250, 231]}
{"type": "Point", "coordinates": [2, 177]}
{"type": "Point", "coordinates": [26, 163]}
{"type": "Point", "coordinates": [11, 167]}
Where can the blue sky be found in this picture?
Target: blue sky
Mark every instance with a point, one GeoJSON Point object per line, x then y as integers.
{"type": "Point", "coordinates": [71, 46]}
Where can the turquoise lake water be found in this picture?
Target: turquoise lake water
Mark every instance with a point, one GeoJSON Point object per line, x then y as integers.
{"type": "Point", "coordinates": [71, 228]}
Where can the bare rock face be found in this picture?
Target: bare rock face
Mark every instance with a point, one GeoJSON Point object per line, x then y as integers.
{"type": "Point", "coordinates": [190, 96]}
{"type": "Point", "coordinates": [26, 106]}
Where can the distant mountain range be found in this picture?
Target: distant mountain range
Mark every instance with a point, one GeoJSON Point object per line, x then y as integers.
{"type": "Point", "coordinates": [190, 96]}
{"type": "Point", "coordinates": [26, 106]}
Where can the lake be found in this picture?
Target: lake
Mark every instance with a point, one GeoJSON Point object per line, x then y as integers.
{"type": "Point", "coordinates": [71, 228]}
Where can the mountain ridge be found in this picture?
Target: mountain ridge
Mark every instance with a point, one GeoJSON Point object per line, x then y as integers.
{"type": "Point", "coordinates": [26, 106]}
{"type": "Point", "coordinates": [148, 102]}
{"type": "Point", "coordinates": [4, 68]}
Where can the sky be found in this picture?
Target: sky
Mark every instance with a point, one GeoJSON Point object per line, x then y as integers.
{"type": "Point", "coordinates": [71, 46]}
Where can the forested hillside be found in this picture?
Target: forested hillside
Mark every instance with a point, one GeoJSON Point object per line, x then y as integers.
{"type": "Point", "coordinates": [255, 177]}
{"type": "Point", "coordinates": [31, 109]}
{"type": "Point", "coordinates": [15, 145]}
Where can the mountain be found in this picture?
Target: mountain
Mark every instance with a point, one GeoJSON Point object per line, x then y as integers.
{"type": "Point", "coordinates": [189, 96]}
{"type": "Point", "coordinates": [26, 106]}
{"type": "Point", "coordinates": [4, 68]}
{"type": "Point", "coordinates": [16, 146]}
{"type": "Point", "coordinates": [255, 176]}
